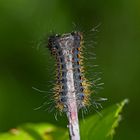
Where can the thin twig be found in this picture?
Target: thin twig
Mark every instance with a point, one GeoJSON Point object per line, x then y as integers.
{"type": "Point", "coordinates": [72, 113]}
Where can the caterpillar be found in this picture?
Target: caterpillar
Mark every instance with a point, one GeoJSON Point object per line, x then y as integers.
{"type": "Point", "coordinates": [68, 52]}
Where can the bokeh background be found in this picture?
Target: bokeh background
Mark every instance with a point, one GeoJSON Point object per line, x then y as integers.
{"type": "Point", "coordinates": [24, 23]}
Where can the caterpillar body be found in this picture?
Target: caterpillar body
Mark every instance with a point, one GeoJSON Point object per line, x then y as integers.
{"type": "Point", "coordinates": [71, 83]}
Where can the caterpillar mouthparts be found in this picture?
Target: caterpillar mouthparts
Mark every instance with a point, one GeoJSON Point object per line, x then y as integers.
{"type": "Point", "coordinates": [71, 84]}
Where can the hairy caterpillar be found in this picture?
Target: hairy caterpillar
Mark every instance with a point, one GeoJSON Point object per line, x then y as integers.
{"type": "Point", "coordinates": [68, 52]}
{"type": "Point", "coordinates": [72, 90]}
{"type": "Point", "coordinates": [75, 49]}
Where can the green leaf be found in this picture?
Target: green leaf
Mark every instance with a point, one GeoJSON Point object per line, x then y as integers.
{"type": "Point", "coordinates": [93, 128]}
{"type": "Point", "coordinates": [102, 127]}
{"type": "Point", "coordinates": [42, 131]}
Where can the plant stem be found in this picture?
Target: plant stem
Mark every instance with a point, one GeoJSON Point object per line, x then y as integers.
{"type": "Point", "coordinates": [72, 113]}
{"type": "Point", "coordinates": [73, 123]}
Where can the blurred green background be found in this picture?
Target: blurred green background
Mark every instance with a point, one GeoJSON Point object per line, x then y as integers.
{"type": "Point", "coordinates": [23, 23]}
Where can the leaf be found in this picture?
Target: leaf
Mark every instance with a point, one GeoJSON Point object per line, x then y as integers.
{"type": "Point", "coordinates": [93, 128]}
{"type": "Point", "coordinates": [102, 127]}
{"type": "Point", "coordinates": [42, 131]}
